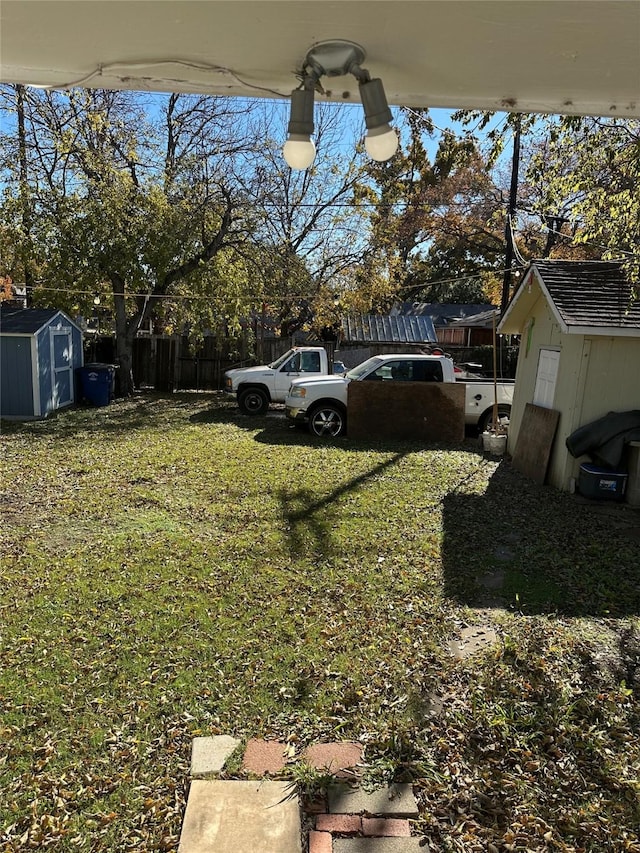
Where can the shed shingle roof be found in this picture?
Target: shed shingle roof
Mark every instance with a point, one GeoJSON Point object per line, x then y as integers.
{"type": "Point", "coordinates": [590, 293]}
{"type": "Point", "coordinates": [24, 321]}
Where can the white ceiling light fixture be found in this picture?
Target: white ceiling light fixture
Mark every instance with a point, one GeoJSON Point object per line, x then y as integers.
{"type": "Point", "coordinates": [337, 58]}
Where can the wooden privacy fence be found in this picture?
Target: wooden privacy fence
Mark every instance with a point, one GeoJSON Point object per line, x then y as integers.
{"type": "Point", "coordinates": [170, 363]}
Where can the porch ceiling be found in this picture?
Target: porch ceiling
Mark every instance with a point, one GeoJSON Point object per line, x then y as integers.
{"type": "Point", "coordinates": [567, 56]}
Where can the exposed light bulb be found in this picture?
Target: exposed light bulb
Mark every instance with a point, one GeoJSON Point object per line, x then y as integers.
{"type": "Point", "coordinates": [299, 151]}
{"type": "Point", "coordinates": [381, 143]}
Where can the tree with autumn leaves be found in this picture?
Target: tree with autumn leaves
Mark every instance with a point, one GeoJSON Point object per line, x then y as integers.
{"type": "Point", "coordinates": [186, 214]}
{"type": "Point", "coordinates": [436, 225]}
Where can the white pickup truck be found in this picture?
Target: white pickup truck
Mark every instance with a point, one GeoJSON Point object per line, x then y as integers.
{"type": "Point", "coordinates": [256, 387]}
{"type": "Point", "coordinates": [321, 402]}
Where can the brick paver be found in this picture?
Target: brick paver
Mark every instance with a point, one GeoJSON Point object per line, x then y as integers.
{"type": "Point", "coordinates": [235, 815]}
{"type": "Point", "coordinates": [320, 842]}
{"type": "Point", "coordinates": [342, 824]}
{"type": "Point", "coordinates": [338, 758]}
{"type": "Point", "coordinates": [386, 826]}
{"type": "Point", "coordinates": [264, 756]}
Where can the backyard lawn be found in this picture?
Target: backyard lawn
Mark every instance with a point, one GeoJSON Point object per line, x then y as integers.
{"type": "Point", "coordinates": [171, 569]}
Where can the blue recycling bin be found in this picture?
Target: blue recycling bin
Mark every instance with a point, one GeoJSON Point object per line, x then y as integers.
{"type": "Point", "coordinates": [97, 383]}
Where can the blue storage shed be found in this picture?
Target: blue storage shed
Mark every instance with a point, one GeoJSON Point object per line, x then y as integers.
{"type": "Point", "coordinates": [40, 350]}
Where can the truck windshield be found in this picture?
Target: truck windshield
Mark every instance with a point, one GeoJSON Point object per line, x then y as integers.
{"type": "Point", "coordinates": [365, 367]}
{"type": "Point", "coordinates": [276, 364]}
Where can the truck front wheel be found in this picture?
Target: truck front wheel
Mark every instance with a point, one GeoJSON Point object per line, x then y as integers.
{"type": "Point", "coordinates": [486, 421]}
{"type": "Point", "coordinates": [327, 421]}
{"type": "Point", "coordinates": [253, 401]}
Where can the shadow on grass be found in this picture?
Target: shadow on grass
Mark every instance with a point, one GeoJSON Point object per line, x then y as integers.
{"type": "Point", "coordinates": [309, 520]}
{"type": "Point", "coordinates": [123, 415]}
{"type": "Point", "coordinates": [538, 550]}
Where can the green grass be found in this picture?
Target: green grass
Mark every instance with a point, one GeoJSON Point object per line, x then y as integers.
{"type": "Point", "coordinates": [172, 569]}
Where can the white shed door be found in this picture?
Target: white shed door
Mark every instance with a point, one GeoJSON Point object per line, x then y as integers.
{"type": "Point", "coordinates": [545, 389]}
{"type": "Point", "coordinates": [62, 366]}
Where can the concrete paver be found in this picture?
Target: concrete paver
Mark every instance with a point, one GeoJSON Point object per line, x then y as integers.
{"type": "Point", "coordinates": [231, 816]}
{"type": "Point", "coordinates": [208, 754]}
{"type": "Point", "coordinates": [394, 801]}
{"type": "Point", "coordinates": [381, 845]}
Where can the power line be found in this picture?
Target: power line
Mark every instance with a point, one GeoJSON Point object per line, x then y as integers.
{"type": "Point", "coordinates": [255, 296]}
{"type": "Point", "coordinates": [599, 246]}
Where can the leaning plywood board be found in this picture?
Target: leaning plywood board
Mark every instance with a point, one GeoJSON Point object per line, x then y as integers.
{"type": "Point", "coordinates": [430, 411]}
{"type": "Point", "coordinates": [535, 440]}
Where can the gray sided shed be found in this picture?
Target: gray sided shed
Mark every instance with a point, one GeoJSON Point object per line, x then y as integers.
{"type": "Point", "coordinates": [579, 323]}
{"type": "Point", "coordinates": [40, 350]}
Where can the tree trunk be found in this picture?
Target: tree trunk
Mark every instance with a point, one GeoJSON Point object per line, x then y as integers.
{"type": "Point", "coordinates": [125, 334]}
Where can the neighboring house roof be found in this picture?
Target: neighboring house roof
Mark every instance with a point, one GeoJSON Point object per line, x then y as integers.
{"type": "Point", "coordinates": [27, 321]}
{"type": "Point", "coordinates": [442, 313]}
{"type": "Point", "coordinates": [366, 328]}
{"type": "Point", "coordinates": [586, 297]}
{"type": "Point", "coordinates": [483, 320]}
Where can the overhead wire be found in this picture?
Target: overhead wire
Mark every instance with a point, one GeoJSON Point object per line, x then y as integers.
{"type": "Point", "coordinates": [257, 296]}
{"type": "Point", "coordinates": [599, 246]}
{"type": "Point", "coordinates": [113, 67]}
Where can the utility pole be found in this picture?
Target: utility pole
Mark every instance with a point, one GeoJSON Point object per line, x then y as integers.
{"type": "Point", "coordinates": [508, 230]}
{"type": "Point", "coordinates": [25, 200]}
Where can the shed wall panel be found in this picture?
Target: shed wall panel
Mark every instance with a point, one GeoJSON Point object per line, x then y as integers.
{"type": "Point", "coordinates": [16, 394]}
{"type": "Point", "coordinates": [542, 333]}
{"type": "Point", "coordinates": [568, 398]}
{"type": "Point", "coordinates": [613, 380]}
{"type": "Point", "coordinates": [610, 382]}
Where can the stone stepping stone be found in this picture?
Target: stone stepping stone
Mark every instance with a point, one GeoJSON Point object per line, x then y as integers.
{"type": "Point", "coordinates": [471, 640]}
{"type": "Point", "coordinates": [251, 817]}
{"type": "Point", "coordinates": [208, 754]}
{"type": "Point", "coordinates": [394, 801]}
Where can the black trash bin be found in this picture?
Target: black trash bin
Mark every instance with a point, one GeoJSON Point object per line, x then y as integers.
{"type": "Point", "coordinates": [97, 383]}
